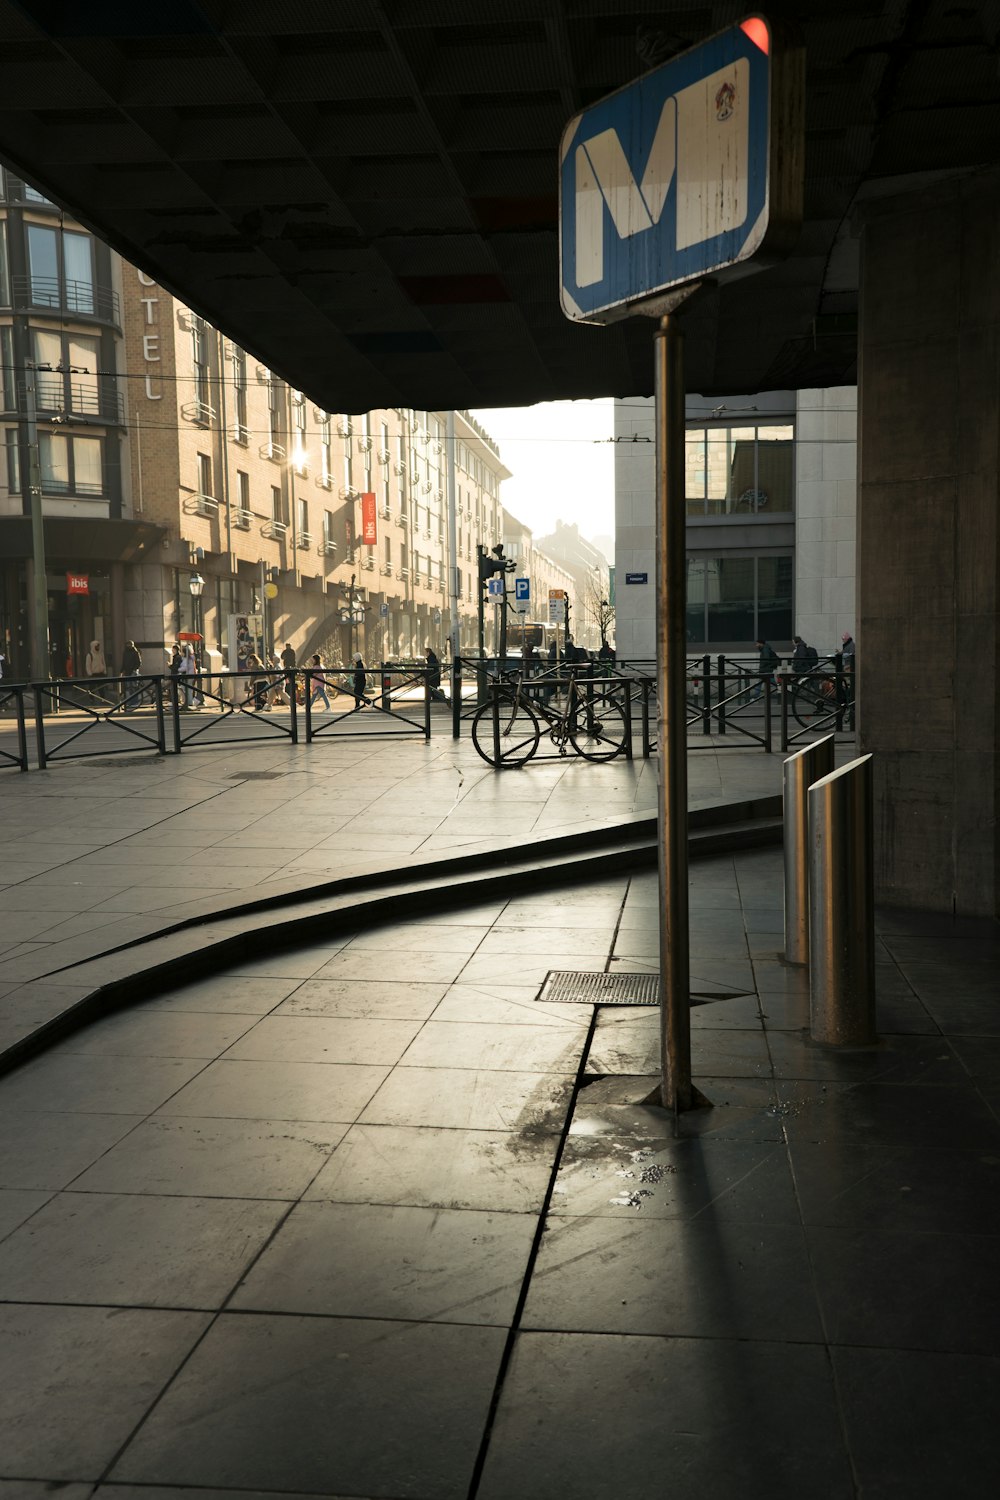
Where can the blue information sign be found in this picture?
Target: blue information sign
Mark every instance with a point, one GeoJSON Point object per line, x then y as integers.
{"type": "Point", "coordinates": [522, 590]}
{"type": "Point", "coordinates": [678, 175]}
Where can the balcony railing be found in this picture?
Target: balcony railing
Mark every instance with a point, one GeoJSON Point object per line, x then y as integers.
{"type": "Point", "coordinates": [80, 298]}
{"type": "Point", "coordinates": [242, 519]}
{"type": "Point", "coordinates": [198, 412]}
{"type": "Point", "coordinates": [200, 505]}
{"type": "Point", "coordinates": [275, 531]}
{"type": "Point", "coordinates": [97, 400]}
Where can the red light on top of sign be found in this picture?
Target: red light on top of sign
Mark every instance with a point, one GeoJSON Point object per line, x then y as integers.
{"type": "Point", "coordinates": [756, 29]}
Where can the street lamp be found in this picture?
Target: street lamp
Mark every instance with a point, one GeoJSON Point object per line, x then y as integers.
{"type": "Point", "coordinates": [197, 586]}
{"type": "Point", "coordinates": [354, 614]}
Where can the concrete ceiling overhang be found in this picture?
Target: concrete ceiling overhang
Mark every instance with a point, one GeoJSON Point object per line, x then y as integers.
{"type": "Point", "coordinates": [363, 194]}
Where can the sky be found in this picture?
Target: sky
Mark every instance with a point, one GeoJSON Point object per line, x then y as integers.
{"type": "Point", "coordinates": [562, 460]}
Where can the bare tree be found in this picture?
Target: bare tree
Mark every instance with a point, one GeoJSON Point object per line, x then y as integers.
{"type": "Point", "coordinates": [596, 607]}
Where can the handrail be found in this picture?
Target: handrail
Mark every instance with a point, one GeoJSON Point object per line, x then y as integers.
{"type": "Point", "coordinates": [14, 693]}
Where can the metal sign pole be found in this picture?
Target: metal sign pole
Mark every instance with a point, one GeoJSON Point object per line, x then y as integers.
{"type": "Point", "coordinates": [675, 993]}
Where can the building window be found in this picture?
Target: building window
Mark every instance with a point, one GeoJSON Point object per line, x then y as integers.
{"type": "Point", "coordinates": [327, 527]}
{"type": "Point", "coordinates": [4, 268]}
{"type": "Point", "coordinates": [70, 465]}
{"type": "Point", "coordinates": [78, 259]}
{"type": "Point", "coordinates": [13, 461]}
{"type": "Point", "coordinates": [736, 600]}
{"type": "Point", "coordinates": [75, 389]}
{"type": "Point", "coordinates": [8, 381]}
{"type": "Point", "coordinates": [200, 356]}
{"type": "Point", "coordinates": [326, 449]}
{"type": "Point", "coordinates": [277, 505]}
{"type": "Point", "coordinates": [348, 467]}
{"type": "Point", "coordinates": [205, 474]}
{"type": "Point", "coordinates": [739, 471]}
{"type": "Point", "coordinates": [274, 412]}
{"type": "Point", "coordinates": [240, 394]}
{"type": "Point", "coordinates": [388, 552]}
{"type": "Point", "coordinates": [242, 490]}
{"type": "Point", "coordinates": [65, 280]}
{"type": "Point", "coordinates": [303, 506]}
{"type": "Point", "coordinates": [300, 455]}
{"type": "Point", "coordinates": [43, 265]}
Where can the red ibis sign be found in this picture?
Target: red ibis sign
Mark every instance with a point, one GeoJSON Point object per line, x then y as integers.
{"type": "Point", "coordinates": [369, 526]}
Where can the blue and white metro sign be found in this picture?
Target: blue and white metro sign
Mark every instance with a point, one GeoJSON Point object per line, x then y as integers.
{"type": "Point", "coordinates": [695, 167]}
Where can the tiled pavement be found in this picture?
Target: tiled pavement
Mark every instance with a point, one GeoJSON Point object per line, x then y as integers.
{"type": "Point", "coordinates": [369, 1220]}
{"type": "Point", "coordinates": [104, 851]}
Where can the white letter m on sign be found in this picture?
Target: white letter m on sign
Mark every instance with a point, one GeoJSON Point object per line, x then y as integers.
{"type": "Point", "coordinates": [604, 179]}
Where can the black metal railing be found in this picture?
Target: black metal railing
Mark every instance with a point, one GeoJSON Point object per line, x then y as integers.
{"type": "Point", "coordinates": [12, 702]}
{"type": "Point", "coordinates": [102, 701]}
{"type": "Point", "coordinates": [401, 695]}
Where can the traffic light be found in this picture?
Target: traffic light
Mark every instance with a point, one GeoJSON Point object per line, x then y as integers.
{"type": "Point", "coordinates": [488, 566]}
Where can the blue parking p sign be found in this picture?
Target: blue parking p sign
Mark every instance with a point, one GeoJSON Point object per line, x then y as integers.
{"type": "Point", "coordinates": [694, 168]}
{"type": "Point", "coordinates": [522, 590]}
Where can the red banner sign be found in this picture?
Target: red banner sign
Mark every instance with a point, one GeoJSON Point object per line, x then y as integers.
{"type": "Point", "coordinates": [78, 583]}
{"type": "Point", "coordinates": [369, 527]}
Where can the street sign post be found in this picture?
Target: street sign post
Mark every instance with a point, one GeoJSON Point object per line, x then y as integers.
{"type": "Point", "coordinates": [693, 170]}
{"type": "Point", "coordinates": [691, 174]}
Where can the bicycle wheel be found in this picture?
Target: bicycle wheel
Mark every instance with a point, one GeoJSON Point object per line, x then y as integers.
{"type": "Point", "coordinates": [811, 709]}
{"type": "Point", "coordinates": [599, 729]}
{"type": "Point", "coordinates": [519, 733]}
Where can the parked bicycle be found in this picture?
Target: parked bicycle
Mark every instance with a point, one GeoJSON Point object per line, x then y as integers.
{"type": "Point", "coordinates": [820, 698]}
{"type": "Point", "coordinates": [508, 730]}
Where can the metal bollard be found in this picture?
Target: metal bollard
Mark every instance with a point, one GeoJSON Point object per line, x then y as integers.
{"type": "Point", "coordinates": [842, 907]}
{"type": "Point", "coordinates": [798, 774]}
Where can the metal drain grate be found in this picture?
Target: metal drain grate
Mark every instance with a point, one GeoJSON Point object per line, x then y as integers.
{"type": "Point", "coordinates": [576, 987]}
{"type": "Point", "coordinates": [256, 775]}
{"type": "Point", "coordinates": [569, 987]}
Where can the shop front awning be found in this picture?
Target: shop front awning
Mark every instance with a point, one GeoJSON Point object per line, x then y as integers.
{"type": "Point", "coordinates": [79, 540]}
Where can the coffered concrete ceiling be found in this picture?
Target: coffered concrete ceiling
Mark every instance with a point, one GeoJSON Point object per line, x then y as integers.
{"type": "Point", "coordinates": [363, 194]}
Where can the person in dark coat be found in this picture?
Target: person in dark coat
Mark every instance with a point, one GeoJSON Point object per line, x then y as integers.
{"type": "Point", "coordinates": [434, 676]}
{"type": "Point", "coordinates": [767, 660]}
{"type": "Point", "coordinates": [131, 666]}
{"type": "Point", "coordinates": [289, 663]}
{"type": "Point", "coordinates": [359, 681]}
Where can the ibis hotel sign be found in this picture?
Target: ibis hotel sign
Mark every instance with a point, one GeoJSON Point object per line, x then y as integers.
{"type": "Point", "coordinates": [692, 171]}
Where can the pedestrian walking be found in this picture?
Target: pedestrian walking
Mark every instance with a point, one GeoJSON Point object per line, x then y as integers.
{"type": "Point", "coordinates": [256, 691]}
{"type": "Point", "coordinates": [845, 683]}
{"type": "Point", "coordinates": [318, 682]}
{"type": "Point", "coordinates": [130, 669]}
{"type": "Point", "coordinates": [96, 665]}
{"type": "Point", "coordinates": [186, 672]}
{"type": "Point", "coordinates": [359, 681]}
{"type": "Point", "coordinates": [289, 663]}
{"type": "Point", "coordinates": [434, 676]}
{"type": "Point", "coordinates": [805, 658]}
{"type": "Point", "coordinates": [767, 660]}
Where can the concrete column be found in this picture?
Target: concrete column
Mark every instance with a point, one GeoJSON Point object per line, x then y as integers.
{"type": "Point", "coordinates": [928, 540]}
